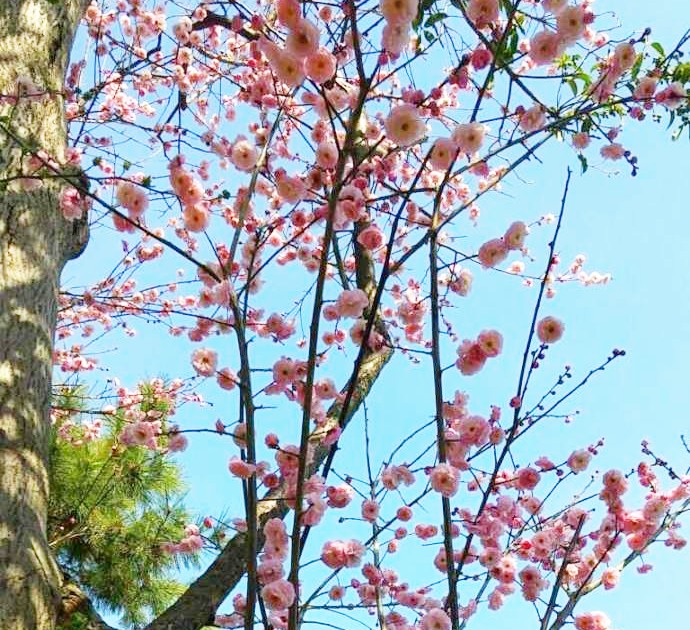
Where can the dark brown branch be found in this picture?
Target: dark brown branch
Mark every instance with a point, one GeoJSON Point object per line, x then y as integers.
{"type": "Point", "coordinates": [213, 19]}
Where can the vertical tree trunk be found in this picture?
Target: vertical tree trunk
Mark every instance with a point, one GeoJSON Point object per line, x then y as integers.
{"type": "Point", "coordinates": [35, 242]}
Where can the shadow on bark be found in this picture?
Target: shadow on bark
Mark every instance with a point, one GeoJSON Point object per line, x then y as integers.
{"type": "Point", "coordinates": [35, 243]}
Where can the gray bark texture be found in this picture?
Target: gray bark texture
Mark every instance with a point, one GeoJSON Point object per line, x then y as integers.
{"type": "Point", "coordinates": [35, 242]}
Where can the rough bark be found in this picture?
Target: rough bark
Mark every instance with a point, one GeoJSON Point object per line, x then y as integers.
{"type": "Point", "coordinates": [74, 601]}
{"type": "Point", "coordinates": [35, 242]}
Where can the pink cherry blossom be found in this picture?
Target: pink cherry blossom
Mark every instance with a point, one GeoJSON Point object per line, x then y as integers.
{"type": "Point", "coordinates": [278, 595]}
{"type": "Point", "coordinates": [579, 460]}
{"type": "Point", "coordinates": [71, 204]}
{"type": "Point", "coordinates": [398, 11]}
{"type": "Point", "coordinates": [612, 151]}
{"type": "Point", "coordinates": [337, 554]}
{"type": "Point", "coordinates": [482, 12]}
{"type": "Point", "coordinates": [444, 479]}
{"type": "Point", "coordinates": [610, 577]}
{"type": "Point", "coordinates": [395, 37]}
{"type": "Point", "coordinates": [227, 379]}
{"type": "Point", "coordinates": [240, 468]}
{"type": "Point", "coordinates": [492, 253]}
{"type": "Point", "coordinates": [491, 342]}
{"type": "Point", "coordinates": [404, 513]}
{"type": "Point", "coordinates": [371, 237]}
{"type": "Point", "coordinates": [527, 478]}
{"type": "Point", "coordinates": [673, 96]}
{"type": "Point", "coordinates": [370, 510]}
{"type": "Point", "coordinates": [481, 58]}
{"type": "Point", "coordinates": [571, 23]}
{"type": "Point", "coordinates": [177, 442]}
{"type": "Point", "coordinates": [544, 47]}
{"type": "Point", "coordinates": [554, 6]}
{"type": "Point", "coordinates": [514, 238]}
{"type": "Point", "coordinates": [351, 303]}
{"type": "Point", "coordinates": [320, 66]}
{"type": "Point", "coordinates": [471, 358]}
{"type": "Point", "coordinates": [336, 593]}
{"type": "Point", "coordinates": [594, 620]}
{"type": "Point", "coordinates": [289, 12]}
{"type": "Point", "coordinates": [624, 57]}
{"type": "Point", "coordinates": [196, 217]}
{"type": "Point", "coordinates": [645, 88]}
{"type": "Point", "coordinates": [339, 496]}
{"type": "Point", "coordinates": [473, 430]}
{"type": "Point", "coordinates": [270, 570]}
{"type": "Point", "coordinates": [404, 126]}
{"type": "Point", "coordinates": [435, 619]}
{"type": "Point", "coordinates": [133, 198]}
{"type": "Point", "coordinates": [287, 67]}
{"type": "Point", "coordinates": [244, 154]}
{"type": "Point", "coordinates": [442, 154]}
{"type": "Point", "coordinates": [204, 361]}
{"type": "Point", "coordinates": [303, 39]}
{"type": "Point", "coordinates": [533, 119]}
{"type": "Point", "coordinates": [581, 140]}
{"type": "Point", "coordinates": [550, 329]}
{"type": "Point", "coordinates": [469, 137]}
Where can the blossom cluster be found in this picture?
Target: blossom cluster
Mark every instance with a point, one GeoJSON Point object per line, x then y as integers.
{"type": "Point", "coordinates": [304, 174]}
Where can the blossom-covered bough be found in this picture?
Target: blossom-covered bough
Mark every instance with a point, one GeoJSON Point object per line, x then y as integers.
{"type": "Point", "coordinates": [319, 169]}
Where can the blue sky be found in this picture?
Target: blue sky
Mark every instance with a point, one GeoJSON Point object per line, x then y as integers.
{"type": "Point", "coordinates": [637, 229]}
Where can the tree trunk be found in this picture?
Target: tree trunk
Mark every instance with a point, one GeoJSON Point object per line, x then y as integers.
{"type": "Point", "coordinates": [35, 242]}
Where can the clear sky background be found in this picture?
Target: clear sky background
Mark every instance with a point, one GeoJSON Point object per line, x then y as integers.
{"type": "Point", "coordinates": [638, 229]}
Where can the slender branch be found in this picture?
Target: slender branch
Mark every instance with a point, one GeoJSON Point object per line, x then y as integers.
{"type": "Point", "coordinates": [561, 574]}
{"type": "Point", "coordinates": [520, 391]}
{"type": "Point", "coordinates": [440, 426]}
{"type": "Point", "coordinates": [197, 605]}
{"type": "Point", "coordinates": [295, 552]}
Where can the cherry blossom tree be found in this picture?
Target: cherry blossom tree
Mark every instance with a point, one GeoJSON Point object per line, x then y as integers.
{"type": "Point", "coordinates": [291, 193]}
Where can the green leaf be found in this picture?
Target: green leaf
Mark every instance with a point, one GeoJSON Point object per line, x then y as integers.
{"type": "Point", "coordinates": [682, 72]}
{"type": "Point", "coordinates": [573, 86]}
{"type": "Point", "coordinates": [436, 17]}
{"type": "Point", "coordinates": [583, 162]}
{"type": "Point", "coordinates": [513, 46]}
{"type": "Point", "coordinates": [671, 120]}
{"type": "Point", "coordinates": [659, 48]}
{"type": "Point", "coordinates": [636, 68]}
{"type": "Point", "coordinates": [584, 77]}
{"type": "Point", "coordinates": [424, 6]}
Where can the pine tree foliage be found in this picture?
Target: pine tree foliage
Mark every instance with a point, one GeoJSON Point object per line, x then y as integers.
{"type": "Point", "coordinates": [112, 509]}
